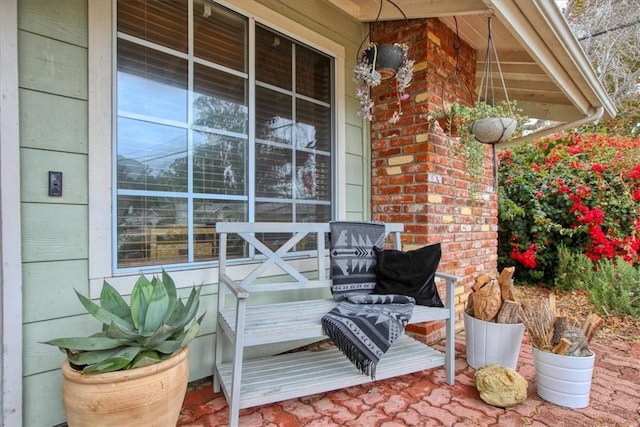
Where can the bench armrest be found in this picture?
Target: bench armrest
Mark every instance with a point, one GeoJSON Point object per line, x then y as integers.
{"type": "Point", "coordinates": [450, 289]}
{"type": "Point", "coordinates": [237, 290]}
{"type": "Point", "coordinates": [448, 277]}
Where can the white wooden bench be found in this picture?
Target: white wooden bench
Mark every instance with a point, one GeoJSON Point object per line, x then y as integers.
{"type": "Point", "coordinates": [289, 307]}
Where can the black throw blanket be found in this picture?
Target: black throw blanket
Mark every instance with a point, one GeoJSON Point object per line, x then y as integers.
{"type": "Point", "coordinates": [363, 327]}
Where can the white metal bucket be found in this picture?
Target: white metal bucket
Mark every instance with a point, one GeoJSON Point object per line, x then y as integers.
{"type": "Point", "coordinates": [492, 343]}
{"type": "Point", "coordinates": [563, 380]}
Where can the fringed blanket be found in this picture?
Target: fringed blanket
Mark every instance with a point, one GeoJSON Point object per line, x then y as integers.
{"type": "Point", "coordinates": [363, 326]}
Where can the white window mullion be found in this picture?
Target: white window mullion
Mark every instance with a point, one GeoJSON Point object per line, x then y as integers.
{"type": "Point", "coordinates": [294, 142]}
{"type": "Point", "coordinates": [251, 154]}
{"type": "Point", "coordinates": [190, 209]}
{"type": "Point", "coordinates": [114, 139]}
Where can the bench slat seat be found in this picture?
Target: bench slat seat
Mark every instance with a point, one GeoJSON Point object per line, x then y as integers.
{"type": "Point", "coordinates": [275, 295]}
{"type": "Point", "coordinates": [272, 379]}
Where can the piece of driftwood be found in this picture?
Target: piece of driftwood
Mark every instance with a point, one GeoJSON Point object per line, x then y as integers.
{"type": "Point", "coordinates": [579, 344]}
{"type": "Point", "coordinates": [505, 279]}
{"type": "Point", "coordinates": [562, 347]}
{"type": "Point", "coordinates": [552, 304]}
{"type": "Point", "coordinates": [481, 280]}
{"type": "Point", "coordinates": [559, 327]}
{"type": "Point", "coordinates": [487, 301]}
{"type": "Point", "coordinates": [591, 325]}
{"type": "Point", "coordinates": [509, 313]}
{"type": "Point", "coordinates": [469, 308]}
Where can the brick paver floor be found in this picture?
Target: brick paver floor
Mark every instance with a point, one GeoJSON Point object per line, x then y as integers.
{"type": "Point", "coordinates": [425, 399]}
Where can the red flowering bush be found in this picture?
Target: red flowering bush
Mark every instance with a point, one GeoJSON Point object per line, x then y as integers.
{"type": "Point", "coordinates": [578, 190]}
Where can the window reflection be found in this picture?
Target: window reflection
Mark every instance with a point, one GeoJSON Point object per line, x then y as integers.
{"type": "Point", "coordinates": [151, 83]}
{"type": "Point", "coordinates": [151, 156]}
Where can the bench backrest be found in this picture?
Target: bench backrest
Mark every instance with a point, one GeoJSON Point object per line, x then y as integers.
{"type": "Point", "coordinates": [268, 248]}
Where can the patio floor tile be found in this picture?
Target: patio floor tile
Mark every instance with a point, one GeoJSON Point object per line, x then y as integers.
{"type": "Point", "coordinates": [424, 399]}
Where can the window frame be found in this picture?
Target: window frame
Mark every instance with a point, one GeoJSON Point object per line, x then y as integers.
{"type": "Point", "coordinates": [101, 140]}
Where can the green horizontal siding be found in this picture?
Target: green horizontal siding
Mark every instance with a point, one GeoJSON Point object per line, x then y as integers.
{"type": "Point", "coordinates": [53, 122]}
{"type": "Point", "coordinates": [52, 66]}
{"type": "Point", "coordinates": [48, 289]}
{"type": "Point", "coordinates": [64, 20]}
{"type": "Point", "coordinates": [54, 232]}
{"type": "Point", "coordinates": [35, 167]}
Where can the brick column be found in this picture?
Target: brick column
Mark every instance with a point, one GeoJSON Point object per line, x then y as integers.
{"type": "Point", "coordinates": [416, 179]}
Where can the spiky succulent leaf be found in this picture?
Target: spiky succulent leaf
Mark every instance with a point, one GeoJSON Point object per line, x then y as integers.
{"type": "Point", "coordinates": [140, 296]}
{"type": "Point", "coordinates": [169, 346]}
{"type": "Point", "coordinates": [193, 330]}
{"type": "Point", "coordinates": [170, 287]}
{"type": "Point", "coordinates": [83, 358]}
{"type": "Point", "coordinates": [190, 309]}
{"type": "Point", "coordinates": [88, 343]}
{"type": "Point", "coordinates": [147, 357]}
{"type": "Point", "coordinates": [117, 362]}
{"type": "Point", "coordinates": [181, 339]}
{"type": "Point", "coordinates": [177, 313]}
{"type": "Point", "coordinates": [101, 314]}
{"type": "Point", "coordinates": [162, 333]}
{"type": "Point", "coordinates": [111, 301]}
{"type": "Point", "coordinates": [157, 308]}
{"type": "Point", "coordinates": [115, 331]}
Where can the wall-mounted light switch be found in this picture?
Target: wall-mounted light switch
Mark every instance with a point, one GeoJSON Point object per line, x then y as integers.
{"type": "Point", "coordinates": [55, 184]}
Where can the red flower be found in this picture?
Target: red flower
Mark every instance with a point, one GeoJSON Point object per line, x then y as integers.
{"type": "Point", "coordinates": [526, 258]}
{"type": "Point", "coordinates": [635, 173]}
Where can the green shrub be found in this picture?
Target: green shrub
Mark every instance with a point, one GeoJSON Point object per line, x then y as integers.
{"type": "Point", "coordinates": [615, 288]}
{"type": "Point", "coordinates": [577, 190]}
{"type": "Point", "coordinates": [575, 270]}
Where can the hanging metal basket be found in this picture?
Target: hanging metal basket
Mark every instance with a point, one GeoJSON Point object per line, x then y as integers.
{"type": "Point", "coordinates": [386, 59]}
{"type": "Point", "coordinates": [493, 130]}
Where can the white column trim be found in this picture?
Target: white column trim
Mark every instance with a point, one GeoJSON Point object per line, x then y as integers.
{"type": "Point", "coordinates": [10, 234]}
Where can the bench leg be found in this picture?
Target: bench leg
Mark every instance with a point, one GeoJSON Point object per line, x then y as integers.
{"type": "Point", "coordinates": [450, 351]}
{"type": "Point", "coordinates": [236, 370]}
{"type": "Point", "coordinates": [450, 333]}
{"type": "Point", "coordinates": [217, 359]}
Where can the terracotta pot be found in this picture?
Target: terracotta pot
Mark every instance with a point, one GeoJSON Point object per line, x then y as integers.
{"type": "Point", "coordinates": [493, 130]}
{"type": "Point", "coordinates": [386, 59]}
{"type": "Point", "coordinates": [149, 396]}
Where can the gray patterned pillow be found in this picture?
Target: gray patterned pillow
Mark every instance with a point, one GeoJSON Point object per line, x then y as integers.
{"type": "Point", "coordinates": [352, 258]}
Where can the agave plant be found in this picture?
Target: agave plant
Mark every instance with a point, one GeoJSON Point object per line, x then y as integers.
{"type": "Point", "coordinates": [153, 328]}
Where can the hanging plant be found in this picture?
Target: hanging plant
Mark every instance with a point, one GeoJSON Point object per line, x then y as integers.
{"type": "Point", "coordinates": [465, 122]}
{"type": "Point", "coordinates": [377, 64]}
{"type": "Point", "coordinates": [488, 121]}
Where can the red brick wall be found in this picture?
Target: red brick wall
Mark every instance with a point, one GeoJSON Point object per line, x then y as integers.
{"type": "Point", "coordinates": [416, 179]}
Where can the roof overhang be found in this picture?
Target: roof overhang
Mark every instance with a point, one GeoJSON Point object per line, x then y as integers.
{"type": "Point", "coordinates": [543, 65]}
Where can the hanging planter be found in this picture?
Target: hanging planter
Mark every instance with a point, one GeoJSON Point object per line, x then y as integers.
{"type": "Point", "coordinates": [379, 63]}
{"type": "Point", "coordinates": [493, 130]}
{"type": "Point", "coordinates": [386, 59]}
{"type": "Point", "coordinates": [487, 121]}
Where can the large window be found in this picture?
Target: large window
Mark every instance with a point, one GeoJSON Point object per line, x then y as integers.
{"type": "Point", "coordinates": [212, 125]}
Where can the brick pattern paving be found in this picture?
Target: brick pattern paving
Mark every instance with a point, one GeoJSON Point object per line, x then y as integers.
{"type": "Point", "coordinates": [424, 399]}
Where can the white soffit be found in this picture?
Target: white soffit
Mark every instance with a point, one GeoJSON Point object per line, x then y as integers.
{"type": "Point", "coordinates": [544, 68]}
